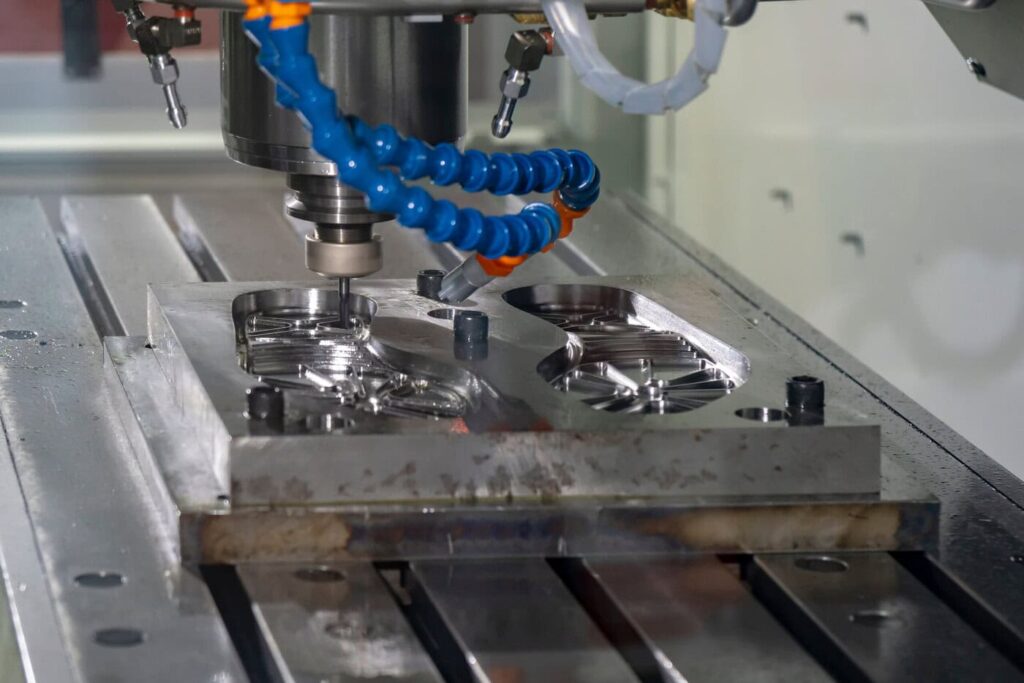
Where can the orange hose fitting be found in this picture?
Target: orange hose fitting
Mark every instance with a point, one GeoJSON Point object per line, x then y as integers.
{"type": "Point", "coordinates": [501, 266]}
{"type": "Point", "coordinates": [567, 215]}
{"type": "Point", "coordinates": [256, 9]}
{"type": "Point", "coordinates": [504, 265]}
{"type": "Point", "coordinates": [288, 14]}
{"type": "Point", "coordinates": [565, 212]}
{"type": "Point", "coordinates": [184, 12]}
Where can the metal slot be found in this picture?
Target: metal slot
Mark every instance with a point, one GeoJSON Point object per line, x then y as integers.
{"type": "Point", "coordinates": [100, 231]}
{"type": "Point", "coordinates": [241, 236]}
{"type": "Point", "coordinates": [866, 618]}
{"type": "Point", "coordinates": [427, 623]}
{"type": "Point", "coordinates": [236, 611]}
{"type": "Point", "coordinates": [336, 623]}
{"type": "Point", "coordinates": [685, 619]}
{"type": "Point", "coordinates": [512, 620]}
{"type": "Point", "coordinates": [971, 608]}
{"type": "Point", "coordinates": [633, 357]}
{"type": "Point", "coordinates": [97, 303]}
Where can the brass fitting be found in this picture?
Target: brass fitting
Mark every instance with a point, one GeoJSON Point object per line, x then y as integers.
{"type": "Point", "coordinates": [530, 18]}
{"type": "Point", "coordinates": [677, 9]}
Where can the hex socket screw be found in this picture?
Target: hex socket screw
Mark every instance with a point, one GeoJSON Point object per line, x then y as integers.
{"type": "Point", "coordinates": [471, 327]}
{"type": "Point", "coordinates": [806, 393]}
{"type": "Point", "coordinates": [428, 283]}
{"type": "Point", "coordinates": [265, 404]}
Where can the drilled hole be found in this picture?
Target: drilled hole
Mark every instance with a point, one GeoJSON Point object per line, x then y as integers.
{"type": "Point", "coordinates": [100, 580]}
{"type": "Point", "coordinates": [18, 334]}
{"type": "Point", "coordinates": [442, 313]}
{"type": "Point", "coordinates": [119, 637]}
{"type": "Point", "coordinates": [822, 563]}
{"type": "Point", "coordinates": [12, 303]}
{"type": "Point", "coordinates": [319, 575]}
{"type": "Point", "coordinates": [762, 414]}
{"type": "Point", "coordinates": [871, 617]}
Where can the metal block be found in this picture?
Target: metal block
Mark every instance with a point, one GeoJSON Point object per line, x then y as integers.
{"type": "Point", "coordinates": [521, 467]}
{"type": "Point", "coordinates": [518, 438]}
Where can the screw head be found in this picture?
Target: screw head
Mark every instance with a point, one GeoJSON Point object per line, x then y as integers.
{"type": "Point", "coordinates": [471, 326]}
{"type": "Point", "coordinates": [265, 404]}
{"type": "Point", "coordinates": [428, 283]}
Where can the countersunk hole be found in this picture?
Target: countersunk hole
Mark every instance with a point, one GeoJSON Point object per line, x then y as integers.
{"type": "Point", "coordinates": [319, 575]}
{"type": "Point", "coordinates": [821, 563]}
{"type": "Point", "coordinates": [18, 334]}
{"type": "Point", "coordinates": [12, 303]}
{"type": "Point", "coordinates": [442, 313]}
{"type": "Point", "coordinates": [119, 637]}
{"type": "Point", "coordinates": [100, 580]}
{"type": "Point", "coordinates": [871, 617]}
{"type": "Point", "coordinates": [805, 379]}
{"type": "Point", "coordinates": [761, 414]}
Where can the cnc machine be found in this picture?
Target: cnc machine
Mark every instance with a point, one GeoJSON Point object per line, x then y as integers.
{"type": "Point", "coordinates": [500, 425]}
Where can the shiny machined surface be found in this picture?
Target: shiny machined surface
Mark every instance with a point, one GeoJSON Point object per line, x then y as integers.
{"type": "Point", "coordinates": [627, 363]}
{"type": "Point", "coordinates": [98, 471]}
{"type": "Point", "coordinates": [295, 341]}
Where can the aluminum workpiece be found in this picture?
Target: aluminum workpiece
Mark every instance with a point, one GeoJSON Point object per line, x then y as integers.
{"type": "Point", "coordinates": [608, 485]}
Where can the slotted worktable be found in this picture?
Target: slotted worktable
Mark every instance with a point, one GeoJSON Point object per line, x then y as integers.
{"type": "Point", "coordinates": [95, 592]}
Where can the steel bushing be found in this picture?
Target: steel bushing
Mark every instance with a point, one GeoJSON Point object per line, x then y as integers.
{"type": "Point", "coordinates": [336, 259]}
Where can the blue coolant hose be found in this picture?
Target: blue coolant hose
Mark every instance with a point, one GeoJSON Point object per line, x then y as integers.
{"type": "Point", "coordinates": [360, 151]}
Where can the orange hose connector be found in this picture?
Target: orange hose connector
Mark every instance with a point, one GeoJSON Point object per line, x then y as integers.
{"type": "Point", "coordinates": [256, 9]}
{"type": "Point", "coordinates": [288, 14]}
{"type": "Point", "coordinates": [505, 265]}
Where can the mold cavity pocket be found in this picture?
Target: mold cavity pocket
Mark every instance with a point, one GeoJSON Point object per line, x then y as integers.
{"type": "Point", "coordinates": [628, 354]}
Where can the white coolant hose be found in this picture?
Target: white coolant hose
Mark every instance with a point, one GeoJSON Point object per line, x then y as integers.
{"type": "Point", "coordinates": [574, 36]}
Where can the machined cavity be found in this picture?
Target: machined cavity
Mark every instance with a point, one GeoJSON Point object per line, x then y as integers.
{"type": "Point", "coordinates": [633, 356]}
{"type": "Point", "coordinates": [291, 339]}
